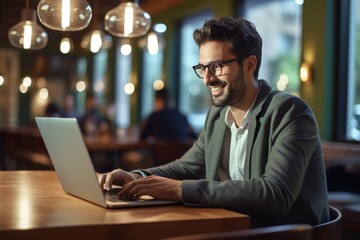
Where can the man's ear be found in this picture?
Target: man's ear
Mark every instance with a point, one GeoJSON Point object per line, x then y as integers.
{"type": "Point", "coordinates": [250, 63]}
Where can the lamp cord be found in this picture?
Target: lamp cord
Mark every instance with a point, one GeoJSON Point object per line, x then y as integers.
{"type": "Point", "coordinates": [96, 14]}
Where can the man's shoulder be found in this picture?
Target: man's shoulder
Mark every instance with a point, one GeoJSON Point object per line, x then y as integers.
{"type": "Point", "coordinates": [279, 97]}
{"type": "Point", "coordinates": [279, 101]}
{"type": "Point", "coordinates": [276, 97]}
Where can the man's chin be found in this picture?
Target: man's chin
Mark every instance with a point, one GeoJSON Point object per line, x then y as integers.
{"type": "Point", "coordinates": [218, 103]}
{"type": "Point", "coordinates": [223, 102]}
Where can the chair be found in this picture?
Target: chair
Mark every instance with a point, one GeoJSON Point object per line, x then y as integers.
{"type": "Point", "coordinates": [283, 232]}
{"type": "Point", "coordinates": [351, 222]}
{"type": "Point", "coordinates": [341, 199]}
{"type": "Point", "coordinates": [166, 151]}
{"type": "Point", "coordinates": [330, 230]}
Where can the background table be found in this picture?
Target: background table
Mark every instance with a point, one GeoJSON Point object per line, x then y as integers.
{"type": "Point", "coordinates": [34, 206]}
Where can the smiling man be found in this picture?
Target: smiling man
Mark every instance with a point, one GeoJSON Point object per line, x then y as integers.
{"type": "Point", "coordinates": [259, 151]}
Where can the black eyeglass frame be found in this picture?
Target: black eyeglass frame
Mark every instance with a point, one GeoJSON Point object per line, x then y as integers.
{"type": "Point", "coordinates": [220, 63]}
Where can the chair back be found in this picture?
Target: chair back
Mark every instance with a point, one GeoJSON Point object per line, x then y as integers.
{"type": "Point", "coordinates": [282, 232]}
{"type": "Point", "coordinates": [168, 150]}
{"type": "Point", "coordinates": [330, 230]}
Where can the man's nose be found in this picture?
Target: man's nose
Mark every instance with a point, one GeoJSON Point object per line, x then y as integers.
{"type": "Point", "coordinates": [208, 76]}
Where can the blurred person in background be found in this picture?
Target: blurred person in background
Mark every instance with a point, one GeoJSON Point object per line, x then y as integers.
{"type": "Point", "coordinates": [94, 123]}
{"type": "Point", "coordinates": [69, 107]}
{"type": "Point", "coordinates": [165, 122]}
{"type": "Point", "coordinates": [53, 110]}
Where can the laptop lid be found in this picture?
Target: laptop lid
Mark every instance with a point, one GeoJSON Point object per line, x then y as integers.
{"type": "Point", "coordinates": [72, 162]}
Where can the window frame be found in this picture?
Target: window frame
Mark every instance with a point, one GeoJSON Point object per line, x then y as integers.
{"type": "Point", "coordinates": [342, 72]}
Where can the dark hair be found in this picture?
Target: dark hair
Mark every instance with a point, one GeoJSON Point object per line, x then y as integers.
{"type": "Point", "coordinates": [239, 33]}
{"type": "Point", "coordinates": [162, 94]}
{"type": "Point", "coordinates": [52, 109]}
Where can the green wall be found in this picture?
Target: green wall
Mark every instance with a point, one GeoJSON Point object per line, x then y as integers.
{"type": "Point", "coordinates": [318, 49]}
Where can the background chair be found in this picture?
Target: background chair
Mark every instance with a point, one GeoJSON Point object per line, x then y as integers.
{"type": "Point", "coordinates": [283, 232]}
{"type": "Point", "coordinates": [166, 151]}
{"type": "Point", "coordinates": [351, 222]}
{"type": "Point", "coordinates": [330, 230]}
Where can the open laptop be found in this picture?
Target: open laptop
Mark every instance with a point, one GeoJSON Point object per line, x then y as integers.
{"type": "Point", "coordinates": [73, 165]}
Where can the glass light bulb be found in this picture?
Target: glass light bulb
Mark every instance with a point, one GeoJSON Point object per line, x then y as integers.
{"type": "Point", "coordinates": [152, 42]}
{"type": "Point", "coordinates": [27, 34]}
{"type": "Point", "coordinates": [125, 49]}
{"type": "Point", "coordinates": [127, 20]}
{"type": "Point", "coordinates": [95, 40]}
{"type": "Point", "coordinates": [2, 80]}
{"type": "Point", "coordinates": [64, 15]}
{"type": "Point", "coordinates": [66, 45]}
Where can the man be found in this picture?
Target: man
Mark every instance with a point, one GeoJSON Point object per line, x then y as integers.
{"type": "Point", "coordinates": [166, 123]}
{"type": "Point", "coordinates": [259, 152]}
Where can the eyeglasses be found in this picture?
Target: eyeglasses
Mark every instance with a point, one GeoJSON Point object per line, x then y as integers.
{"type": "Point", "coordinates": [215, 68]}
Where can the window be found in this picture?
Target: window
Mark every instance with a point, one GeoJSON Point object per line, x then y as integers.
{"type": "Point", "coordinates": [281, 40]}
{"type": "Point", "coordinates": [194, 97]}
{"type": "Point", "coordinates": [152, 71]}
{"type": "Point", "coordinates": [99, 76]}
{"type": "Point", "coordinates": [348, 128]}
{"type": "Point", "coordinates": [122, 75]}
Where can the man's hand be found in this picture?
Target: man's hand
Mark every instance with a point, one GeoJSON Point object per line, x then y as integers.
{"type": "Point", "coordinates": [118, 177]}
{"type": "Point", "coordinates": [154, 186]}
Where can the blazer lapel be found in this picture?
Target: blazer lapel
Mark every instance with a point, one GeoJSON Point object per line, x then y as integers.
{"type": "Point", "coordinates": [262, 96]}
{"type": "Point", "coordinates": [216, 144]}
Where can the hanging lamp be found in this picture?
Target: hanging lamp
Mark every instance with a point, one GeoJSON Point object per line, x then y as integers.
{"type": "Point", "coordinates": [27, 34]}
{"type": "Point", "coordinates": [127, 20]}
{"type": "Point", "coordinates": [153, 42]}
{"type": "Point", "coordinates": [64, 15]}
{"type": "Point", "coordinates": [96, 39]}
{"type": "Point", "coordinates": [66, 45]}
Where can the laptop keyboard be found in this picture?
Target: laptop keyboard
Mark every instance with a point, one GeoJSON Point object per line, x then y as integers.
{"type": "Point", "coordinates": [112, 195]}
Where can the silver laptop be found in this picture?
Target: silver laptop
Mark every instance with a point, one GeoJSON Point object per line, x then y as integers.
{"type": "Point", "coordinates": [73, 165]}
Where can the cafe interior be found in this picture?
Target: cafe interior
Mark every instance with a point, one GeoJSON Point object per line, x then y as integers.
{"type": "Point", "coordinates": [65, 68]}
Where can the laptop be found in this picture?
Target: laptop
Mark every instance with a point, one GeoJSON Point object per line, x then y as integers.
{"type": "Point", "coordinates": [73, 165]}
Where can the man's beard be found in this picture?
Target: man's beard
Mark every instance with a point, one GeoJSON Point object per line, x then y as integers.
{"type": "Point", "coordinates": [223, 99]}
{"type": "Point", "coordinates": [229, 95]}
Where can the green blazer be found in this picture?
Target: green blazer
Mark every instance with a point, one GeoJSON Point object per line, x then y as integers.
{"type": "Point", "coordinates": [285, 180]}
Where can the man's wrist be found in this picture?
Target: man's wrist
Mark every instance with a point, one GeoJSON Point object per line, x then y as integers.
{"type": "Point", "coordinates": [137, 174]}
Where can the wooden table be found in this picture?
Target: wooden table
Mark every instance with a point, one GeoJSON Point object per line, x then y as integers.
{"type": "Point", "coordinates": [34, 206]}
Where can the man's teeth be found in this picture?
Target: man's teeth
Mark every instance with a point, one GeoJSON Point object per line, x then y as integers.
{"type": "Point", "coordinates": [215, 88]}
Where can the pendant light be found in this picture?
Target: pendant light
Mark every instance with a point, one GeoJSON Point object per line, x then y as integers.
{"type": "Point", "coordinates": [127, 20]}
{"type": "Point", "coordinates": [28, 34]}
{"type": "Point", "coordinates": [64, 15]}
{"type": "Point", "coordinates": [96, 39]}
{"type": "Point", "coordinates": [152, 43]}
{"type": "Point", "coordinates": [66, 45]}
{"type": "Point", "coordinates": [125, 47]}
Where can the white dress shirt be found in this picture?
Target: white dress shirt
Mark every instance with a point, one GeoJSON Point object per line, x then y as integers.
{"type": "Point", "coordinates": [238, 143]}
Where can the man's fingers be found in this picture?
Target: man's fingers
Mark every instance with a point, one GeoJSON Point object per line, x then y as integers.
{"type": "Point", "coordinates": [108, 181]}
{"type": "Point", "coordinates": [102, 178]}
{"type": "Point", "coordinates": [140, 187]}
